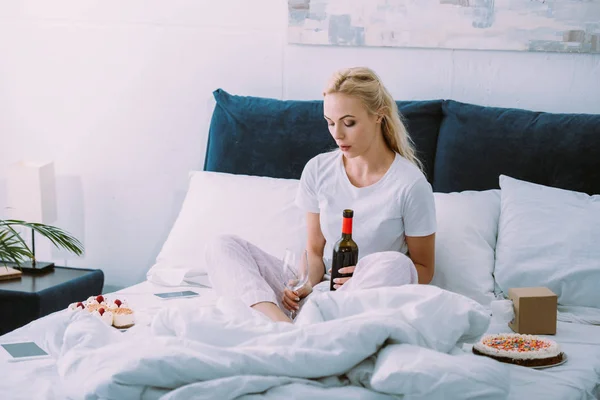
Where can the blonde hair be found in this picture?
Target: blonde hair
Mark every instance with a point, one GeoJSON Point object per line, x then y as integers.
{"type": "Point", "coordinates": [364, 84]}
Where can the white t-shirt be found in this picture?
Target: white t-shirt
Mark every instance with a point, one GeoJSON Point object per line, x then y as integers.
{"type": "Point", "coordinates": [400, 204]}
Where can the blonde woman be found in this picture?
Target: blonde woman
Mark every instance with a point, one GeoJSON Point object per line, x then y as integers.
{"type": "Point", "coordinates": [375, 172]}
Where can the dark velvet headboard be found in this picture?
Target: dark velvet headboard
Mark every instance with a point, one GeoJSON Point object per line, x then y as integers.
{"type": "Point", "coordinates": [463, 146]}
{"type": "Point", "coordinates": [268, 137]}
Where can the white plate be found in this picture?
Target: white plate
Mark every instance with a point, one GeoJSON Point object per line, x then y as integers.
{"type": "Point", "coordinates": [564, 360]}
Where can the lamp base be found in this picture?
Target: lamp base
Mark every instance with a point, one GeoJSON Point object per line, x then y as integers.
{"type": "Point", "coordinates": [38, 268]}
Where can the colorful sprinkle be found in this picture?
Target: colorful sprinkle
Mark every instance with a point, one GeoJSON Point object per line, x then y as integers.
{"type": "Point", "coordinates": [518, 344]}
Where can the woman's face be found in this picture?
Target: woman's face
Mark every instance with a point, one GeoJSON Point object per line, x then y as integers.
{"type": "Point", "coordinates": [350, 124]}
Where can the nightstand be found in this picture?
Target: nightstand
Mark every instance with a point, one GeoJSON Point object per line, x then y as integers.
{"type": "Point", "coordinates": [33, 296]}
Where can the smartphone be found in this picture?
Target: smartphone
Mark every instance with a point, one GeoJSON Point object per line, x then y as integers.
{"type": "Point", "coordinates": [24, 351]}
{"type": "Point", "coordinates": [176, 295]}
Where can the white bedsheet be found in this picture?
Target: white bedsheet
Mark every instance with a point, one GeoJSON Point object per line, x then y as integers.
{"type": "Point", "coordinates": [385, 339]}
{"type": "Point", "coordinates": [197, 323]}
{"type": "Point", "coordinates": [38, 379]}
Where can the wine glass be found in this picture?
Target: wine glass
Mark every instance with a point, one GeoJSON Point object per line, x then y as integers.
{"type": "Point", "coordinates": [295, 271]}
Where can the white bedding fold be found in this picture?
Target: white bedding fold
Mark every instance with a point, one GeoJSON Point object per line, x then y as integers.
{"type": "Point", "coordinates": [396, 341]}
{"type": "Point", "coordinates": [579, 315]}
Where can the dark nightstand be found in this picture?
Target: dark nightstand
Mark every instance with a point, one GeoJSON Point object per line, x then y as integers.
{"type": "Point", "coordinates": [33, 296]}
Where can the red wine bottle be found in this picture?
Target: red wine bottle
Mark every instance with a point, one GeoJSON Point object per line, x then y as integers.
{"type": "Point", "coordinates": [345, 250]}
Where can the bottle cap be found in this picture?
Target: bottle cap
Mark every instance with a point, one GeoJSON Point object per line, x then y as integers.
{"type": "Point", "coordinates": [348, 213]}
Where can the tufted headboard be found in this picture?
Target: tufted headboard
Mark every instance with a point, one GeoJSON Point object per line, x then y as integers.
{"type": "Point", "coordinates": [462, 146]}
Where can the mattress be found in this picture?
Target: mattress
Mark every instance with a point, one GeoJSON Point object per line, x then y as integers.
{"type": "Point", "coordinates": [578, 378]}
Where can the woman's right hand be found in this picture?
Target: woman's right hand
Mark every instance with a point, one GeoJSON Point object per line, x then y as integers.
{"type": "Point", "coordinates": [291, 299]}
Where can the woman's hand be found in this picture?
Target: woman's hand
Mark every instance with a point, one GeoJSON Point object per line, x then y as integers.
{"type": "Point", "coordinates": [338, 282]}
{"type": "Point", "coordinates": [291, 299]}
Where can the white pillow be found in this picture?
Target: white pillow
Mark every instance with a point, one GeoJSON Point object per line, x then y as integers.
{"type": "Point", "coordinates": [549, 237]}
{"type": "Point", "coordinates": [258, 209]}
{"type": "Point", "coordinates": [465, 243]}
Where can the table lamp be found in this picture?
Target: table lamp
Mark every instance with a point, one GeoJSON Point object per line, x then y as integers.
{"type": "Point", "coordinates": [32, 198]}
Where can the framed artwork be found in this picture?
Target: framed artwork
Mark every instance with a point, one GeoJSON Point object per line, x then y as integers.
{"type": "Point", "coordinates": [571, 26]}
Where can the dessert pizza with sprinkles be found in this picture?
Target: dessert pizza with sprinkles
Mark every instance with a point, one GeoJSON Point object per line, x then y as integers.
{"type": "Point", "coordinates": [515, 348]}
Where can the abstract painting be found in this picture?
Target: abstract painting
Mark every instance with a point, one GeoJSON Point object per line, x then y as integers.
{"type": "Point", "coordinates": [571, 26]}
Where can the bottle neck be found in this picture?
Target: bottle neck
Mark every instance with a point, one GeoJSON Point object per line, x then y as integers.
{"type": "Point", "coordinates": [347, 228]}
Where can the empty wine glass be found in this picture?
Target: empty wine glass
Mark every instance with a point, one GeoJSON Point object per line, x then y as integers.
{"type": "Point", "coordinates": [295, 271]}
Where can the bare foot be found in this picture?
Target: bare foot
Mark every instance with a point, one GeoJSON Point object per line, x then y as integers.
{"type": "Point", "coordinates": [272, 311]}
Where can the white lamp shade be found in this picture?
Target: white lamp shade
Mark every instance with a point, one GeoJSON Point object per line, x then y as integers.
{"type": "Point", "coordinates": [32, 192]}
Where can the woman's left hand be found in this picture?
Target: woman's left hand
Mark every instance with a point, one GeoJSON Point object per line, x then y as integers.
{"type": "Point", "coordinates": [338, 282]}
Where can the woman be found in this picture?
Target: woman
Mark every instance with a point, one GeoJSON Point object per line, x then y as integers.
{"type": "Point", "coordinates": [374, 172]}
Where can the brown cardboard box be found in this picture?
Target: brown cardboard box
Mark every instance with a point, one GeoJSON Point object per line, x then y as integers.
{"type": "Point", "coordinates": [535, 310]}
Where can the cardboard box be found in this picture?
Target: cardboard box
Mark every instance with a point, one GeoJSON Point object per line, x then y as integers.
{"type": "Point", "coordinates": [535, 310]}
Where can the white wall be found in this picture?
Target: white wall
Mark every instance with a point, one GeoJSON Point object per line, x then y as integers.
{"type": "Point", "coordinates": [118, 94]}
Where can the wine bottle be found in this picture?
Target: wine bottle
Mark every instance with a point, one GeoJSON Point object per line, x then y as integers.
{"type": "Point", "coordinates": [345, 250]}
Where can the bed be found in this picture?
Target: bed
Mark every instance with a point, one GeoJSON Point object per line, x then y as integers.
{"type": "Point", "coordinates": [381, 344]}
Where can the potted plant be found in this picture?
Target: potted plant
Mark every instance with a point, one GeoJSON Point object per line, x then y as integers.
{"type": "Point", "coordinates": [14, 250]}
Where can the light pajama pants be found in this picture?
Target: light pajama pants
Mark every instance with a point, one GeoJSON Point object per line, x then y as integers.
{"type": "Point", "coordinates": [237, 268]}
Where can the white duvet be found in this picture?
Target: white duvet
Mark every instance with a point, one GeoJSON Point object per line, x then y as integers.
{"type": "Point", "coordinates": [370, 344]}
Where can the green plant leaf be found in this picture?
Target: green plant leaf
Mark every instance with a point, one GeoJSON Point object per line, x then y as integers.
{"type": "Point", "coordinates": [13, 247]}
